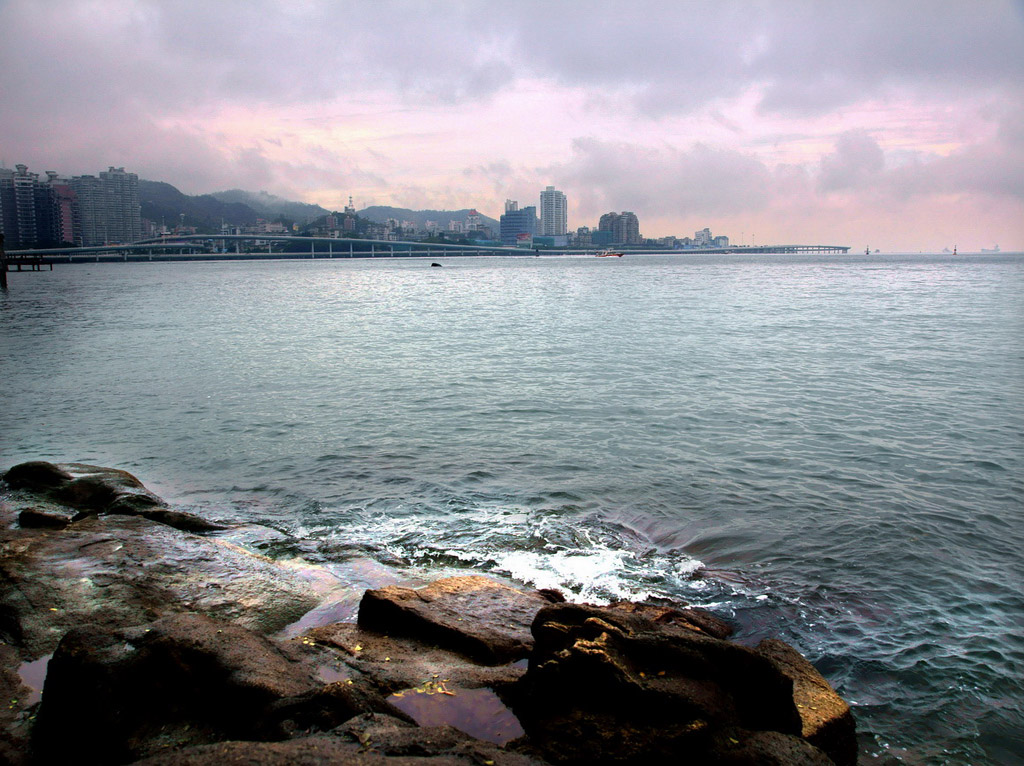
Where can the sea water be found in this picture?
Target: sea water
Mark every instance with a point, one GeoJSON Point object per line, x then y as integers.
{"type": "Point", "coordinates": [829, 449]}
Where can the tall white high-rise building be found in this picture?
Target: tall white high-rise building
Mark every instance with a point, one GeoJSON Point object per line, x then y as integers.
{"type": "Point", "coordinates": [553, 212]}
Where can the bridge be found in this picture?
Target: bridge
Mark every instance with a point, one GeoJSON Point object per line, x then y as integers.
{"type": "Point", "coordinates": [276, 246]}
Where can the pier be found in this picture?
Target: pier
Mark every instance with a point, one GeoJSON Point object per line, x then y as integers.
{"type": "Point", "coordinates": [265, 246]}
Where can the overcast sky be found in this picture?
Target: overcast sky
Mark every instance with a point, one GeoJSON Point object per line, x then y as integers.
{"type": "Point", "coordinates": [889, 124]}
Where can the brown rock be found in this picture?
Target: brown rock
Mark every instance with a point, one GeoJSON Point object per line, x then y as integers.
{"type": "Point", "coordinates": [610, 685]}
{"type": "Point", "coordinates": [691, 618]}
{"type": "Point", "coordinates": [94, 489]}
{"type": "Point", "coordinates": [111, 696]}
{"type": "Point", "coordinates": [40, 518]}
{"type": "Point", "coordinates": [116, 571]}
{"type": "Point", "coordinates": [394, 663]}
{"type": "Point", "coordinates": [14, 715]}
{"type": "Point", "coordinates": [186, 522]}
{"type": "Point", "coordinates": [36, 475]}
{"type": "Point", "coordinates": [103, 489]}
{"type": "Point", "coordinates": [477, 616]}
{"type": "Point", "coordinates": [764, 748]}
{"type": "Point", "coordinates": [369, 740]}
{"type": "Point", "coordinates": [325, 708]}
{"type": "Point", "coordinates": [826, 718]}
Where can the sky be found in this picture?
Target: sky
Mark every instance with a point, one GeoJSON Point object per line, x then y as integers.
{"type": "Point", "coordinates": [890, 124]}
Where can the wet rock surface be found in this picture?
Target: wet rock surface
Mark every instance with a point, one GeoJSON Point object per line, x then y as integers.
{"type": "Point", "coordinates": [367, 740]}
{"type": "Point", "coordinates": [111, 696]}
{"type": "Point", "coordinates": [94, 490]}
{"type": "Point", "coordinates": [826, 720]}
{"type": "Point", "coordinates": [124, 570]}
{"type": "Point", "coordinates": [611, 685]}
{"type": "Point", "coordinates": [168, 648]}
{"type": "Point", "coordinates": [498, 632]}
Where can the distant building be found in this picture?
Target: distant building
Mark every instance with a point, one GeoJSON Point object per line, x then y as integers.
{"type": "Point", "coordinates": [562, 240]}
{"type": "Point", "coordinates": [124, 213]}
{"type": "Point", "coordinates": [553, 212]}
{"type": "Point", "coordinates": [516, 223]}
{"type": "Point", "coordinates": [721, 241]}
{"type": "Point", "coordinates": [583, 237]}
{"type": "Point", "coordinates": [623, 228]}
{"type": "Point", "coordinates": [702, 238]}
{"type": "Point", "coordinates": [28, 210]}
{"type": "Point", "coordinates": [64, 204]}
{"type": "Point", "coordinates": [108, 208]}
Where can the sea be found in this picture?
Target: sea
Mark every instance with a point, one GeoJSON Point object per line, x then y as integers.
{"type": "Point", "coordinates": [828, 449]}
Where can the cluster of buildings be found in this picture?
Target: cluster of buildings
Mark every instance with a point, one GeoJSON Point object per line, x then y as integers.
{"type": "Point", "coordinates": [54, 211]}
{"type": "Point", "coordinates": [89, 210]}
{"type": "Point", "coordinates": [523, 227]}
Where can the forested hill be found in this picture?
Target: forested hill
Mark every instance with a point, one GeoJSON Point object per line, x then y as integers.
{"type": "Point", "coordinates": [381, 213]}
{"type": "Point", "coordinates": [270, 206]}
{"type": "Point", "coordinates": [163, 203]}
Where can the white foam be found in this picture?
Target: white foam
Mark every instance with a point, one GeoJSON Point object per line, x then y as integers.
{"type": "Point", "coordinates": [588, 563]}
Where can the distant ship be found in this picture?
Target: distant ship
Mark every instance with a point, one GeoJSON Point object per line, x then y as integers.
{"type": "Point", "coordinates": [993, 250]}
{"type": "Point", "coordinates": [608, 254]}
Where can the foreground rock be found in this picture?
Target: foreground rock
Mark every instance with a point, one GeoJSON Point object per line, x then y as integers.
{"type": "Point", "coordinates": [368, 740]}
{"type": "Point", "coordinates": [120, 570]}
{"type": "Point", "coordinates": [826, 720]}
{"type": "Point", "coordinates": [114, 696]}
{"type": "Point", "coordinates": [608, 685]}
{"type": "Point", "coordinates": [161, 653]}
{"type": "Point", "coordinates": [398, 663]}
{"type": "Point", "coordinates": [94, 490]}
{"type": "Point", "coordinates": [480, 617]}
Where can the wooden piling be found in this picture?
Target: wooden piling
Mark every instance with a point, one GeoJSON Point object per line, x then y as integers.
{"type": "Point", "coordinates": [3, 264]}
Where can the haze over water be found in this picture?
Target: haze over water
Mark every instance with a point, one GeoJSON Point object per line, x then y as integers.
{"type": "Point", "coordinates": [825, 449]}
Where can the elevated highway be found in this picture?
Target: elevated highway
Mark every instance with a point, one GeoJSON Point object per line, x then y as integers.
{"type": "Point", "coordinates": [264, 246]}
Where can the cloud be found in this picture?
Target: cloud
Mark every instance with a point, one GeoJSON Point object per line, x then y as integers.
{"type": "Point", "coordinates": [699, 180]}
{"type": "Point", "coordinates": [703, 108]}
{"type": "Point", "coordinates": [857, 162]}
{"type": "Point", "coordinates": [993, 167]}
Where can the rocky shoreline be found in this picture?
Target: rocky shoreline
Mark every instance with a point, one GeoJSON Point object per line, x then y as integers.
{"type": "Point", "coordinates": [161, 642]}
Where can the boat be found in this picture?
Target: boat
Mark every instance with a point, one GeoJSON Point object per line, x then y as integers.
{"type": "Point", "coordinates": [995, 249]}
{"type": "Point", "coordinates": [608, 254]}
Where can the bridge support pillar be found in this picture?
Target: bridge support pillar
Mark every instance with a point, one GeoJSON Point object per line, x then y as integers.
{"type": "Point", "coordinates": [3, 264]}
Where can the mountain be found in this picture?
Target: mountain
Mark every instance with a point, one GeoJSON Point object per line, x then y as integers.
{"type": "Point", "coordinates": [162, 203]}
{"type": "Point", "coordinates": [272, 206]}
{"type": "Point", "coordinates": [381, 213]}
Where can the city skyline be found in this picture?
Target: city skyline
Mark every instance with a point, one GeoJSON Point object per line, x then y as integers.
{"type": "Point", "coordinates": [884, 125]}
